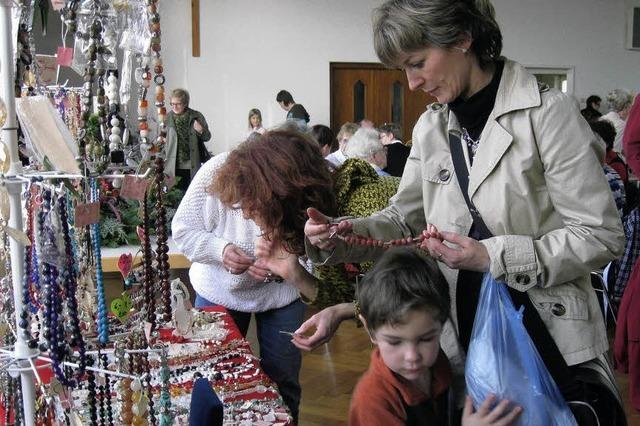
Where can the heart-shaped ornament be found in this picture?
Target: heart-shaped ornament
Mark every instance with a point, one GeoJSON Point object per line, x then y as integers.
{"type": "Point", "coordinates": [118, 307]}
{"type": "Point", "coordinates": [124, 264]}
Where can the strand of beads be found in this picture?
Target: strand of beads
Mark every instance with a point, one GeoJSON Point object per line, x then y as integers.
{"type": "Point", "coordinates": [103, 326]}
{"type": "Point", "coordinates": [166, 416]}
{"type": "Point", "coordinates": [147, 280]}
{"type": "Point", "coordinates": [70, 287]}
{"type": "Point", "coordinates": [161, 214]}
{"type": "Point", "coordinates": [92, 396]}
{"type": "Point", "coordinates": [354, 239]}
{"type": "Point", "coordinates": [107, 391]}
{"type": "Point", "coordinates": [115, 131]}
{"type": "Point", "coordinates": [25, 317]}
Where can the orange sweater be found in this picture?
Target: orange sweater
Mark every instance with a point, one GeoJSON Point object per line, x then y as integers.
{"type": "Point", "coordinates": [383, 398]}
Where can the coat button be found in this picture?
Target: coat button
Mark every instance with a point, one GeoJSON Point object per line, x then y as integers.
{"type": "Point", "coordinates": [444, 175]}
{"type": "Point", "coordinates": [523, 279]}
{"type": "Point", "coordinates": [558, 309]}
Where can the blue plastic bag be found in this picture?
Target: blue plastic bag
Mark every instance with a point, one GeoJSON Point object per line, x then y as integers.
{"type": "Point", "coordinates": [503, 361]}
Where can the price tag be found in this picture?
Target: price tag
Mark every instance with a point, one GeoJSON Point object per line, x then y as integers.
{"type": "Point", "coordinates": [147, 330]}
{"type": "Point", "coordinates": [133, 188]}
{"type": "Point", "coordinates": [87, 214]}
{"type": "Point", "coordinates": [64, 56]}
{"type": "Point", "coordinates": [57, 4]}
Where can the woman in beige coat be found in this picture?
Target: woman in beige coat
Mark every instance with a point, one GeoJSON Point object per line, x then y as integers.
{"type": "Point", "coordinates": [544, 214]}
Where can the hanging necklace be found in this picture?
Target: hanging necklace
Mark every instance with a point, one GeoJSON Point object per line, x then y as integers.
{"type": "Point", "coordinates": [103, 331]}
{"type": "Point", "coordinates": [70, 287]}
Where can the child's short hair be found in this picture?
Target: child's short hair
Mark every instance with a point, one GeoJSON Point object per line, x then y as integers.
{"type": "Point", "coordinates": [402, 280]}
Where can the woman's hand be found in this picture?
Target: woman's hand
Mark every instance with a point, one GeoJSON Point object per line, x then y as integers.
{"type": "Point", "coordinates": [468, 254]}
{"type": "Point", "coordinates": [235, 260]}
{"type": "Point", "coordinates": [501, 415]}
{"type": "Point", "coordinates": [318, 230]}
{"type": "Point", "coordinates": [325, 323]}
{"type": "Point", "coordinates": [198, 127]}
{"type": "Point", "coordinates": [272, 257]}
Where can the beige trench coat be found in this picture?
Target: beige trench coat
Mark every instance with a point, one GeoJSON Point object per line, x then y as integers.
{"type": "Point", "coordinates": [538, 183]}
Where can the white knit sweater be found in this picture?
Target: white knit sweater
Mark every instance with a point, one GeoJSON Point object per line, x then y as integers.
{"type": "Point", "coordinates": [202, 227]}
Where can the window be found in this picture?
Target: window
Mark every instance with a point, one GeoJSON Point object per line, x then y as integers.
{"type": "Point", "coordinates": [560, 78]}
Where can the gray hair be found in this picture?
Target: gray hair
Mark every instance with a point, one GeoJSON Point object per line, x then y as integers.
{"type": "Point", "coordinates": [402, 27]}
{"type": "Point", "coordinates": [181, 94]}
{"type": "Point", "coordinates": [363, 144]}
{"type": "Point", "coordinates": [619, 99]}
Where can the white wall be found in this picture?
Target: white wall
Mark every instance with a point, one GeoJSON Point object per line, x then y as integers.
{"type": "Point", "coordinates": [251, 49]}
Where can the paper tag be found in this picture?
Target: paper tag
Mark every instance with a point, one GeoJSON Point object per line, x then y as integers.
{"type": "Point", "coordinates": [147, 330]}
{"type": "Point", "coordinates": [141, 235]}
{"type": "Point", "coordinates": [133, 188]}
{"type": "Point", "coordinates": [87, 214]}
{"type": "Point", "coordinates": [64, 56]}
{"type": "Point", "coordinates": [57, 4]}
{"type": "Point", "coordinates": [47, 65]}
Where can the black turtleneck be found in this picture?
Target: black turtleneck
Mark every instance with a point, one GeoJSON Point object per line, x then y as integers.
{"type": "Point", "coordinates": [472, 114]}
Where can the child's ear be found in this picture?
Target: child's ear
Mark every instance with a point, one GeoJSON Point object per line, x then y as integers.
{"type": "Point", "coordinates": [366, 327]}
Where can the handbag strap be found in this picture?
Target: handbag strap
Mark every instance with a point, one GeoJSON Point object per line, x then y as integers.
{"type": "Point", "coordinates": [547, 348]}
{"type": "Point", "coordinates": [462, 174]}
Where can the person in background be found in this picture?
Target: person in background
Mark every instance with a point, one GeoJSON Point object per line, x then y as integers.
{"type": "Point", "coordinates": [366, 145]}
{"type": "Point", "coordinates": [404, 303]}
{"type": "Point", "coordinates": [325, 138]}
{"type": "Point", "coordinates": [294, 111]}
{"type": "Point", "coordinates": [338, 157]}
{"type": "Point", "coordinates": [397, 152]}
{"type": "Point", "coordinates": [615, 167]}
{"type": "Point", "coordinates": [529, 165]}
{"type": "Point", "coordinates": [255, 122]}
{"type": "Point", "coordinates": [631, 137]}
{"type": "Point", "coordinates": [240, 223]}
{"type": "Point", "coordinates": [619, 102]}
{"type": "Point", "coordinates": [187, 131]}
{"type": "Point", "coordinates": [592, 110]}
{"type": "Point", "coordinates": [365, 123]}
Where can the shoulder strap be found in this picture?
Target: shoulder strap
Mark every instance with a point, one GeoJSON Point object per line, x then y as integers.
{"type": "Point", "coordinates": [462, 174]}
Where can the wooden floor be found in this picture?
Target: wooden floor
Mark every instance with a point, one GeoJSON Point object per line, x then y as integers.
{"type": "Point", "coordinates": [330, 372]}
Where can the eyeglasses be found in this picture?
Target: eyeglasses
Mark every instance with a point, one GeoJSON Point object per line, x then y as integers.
{"type": "Point", "coordinates": [176, 103]}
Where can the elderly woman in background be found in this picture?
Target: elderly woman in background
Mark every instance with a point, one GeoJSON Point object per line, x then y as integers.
{"type": "Point", "coordinates": [187, 131]}
{"type": "Point", "coordinates": [366, 145]}
{"type": "Point", "coordinates": [619, 102]}
{"type": "Point", "coordinates": [337, 157]}
{"type": "Point", "coordinates": [241, 225]}
{"type": "Point", "coordinates": [530, 205]}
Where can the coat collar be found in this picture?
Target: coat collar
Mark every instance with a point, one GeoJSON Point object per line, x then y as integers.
{"type": "Point", "coordinates": [517, 90]}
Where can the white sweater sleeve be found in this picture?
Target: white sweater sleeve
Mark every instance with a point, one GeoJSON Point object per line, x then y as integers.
{"type": "Point", "coordinates": [196, 220]}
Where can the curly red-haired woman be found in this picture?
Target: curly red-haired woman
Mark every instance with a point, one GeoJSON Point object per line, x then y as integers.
{"type": "Point", "coordinates": [241, 223]}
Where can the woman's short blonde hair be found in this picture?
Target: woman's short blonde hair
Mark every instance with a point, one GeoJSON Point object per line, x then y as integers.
{"type": "Point", "coordinates": [181, 94]}
{"type": "Point", "coordinates": [364, 144]}
{"type": "Point", "coordinates": [619, 99]}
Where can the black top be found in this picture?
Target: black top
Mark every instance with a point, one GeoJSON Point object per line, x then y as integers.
{"type": "Point", "coordinates": [473, 113]}
{"type": "Point", "coordinates": [298, 111]}
{"type": "Point", "coordinates": [397, 154]}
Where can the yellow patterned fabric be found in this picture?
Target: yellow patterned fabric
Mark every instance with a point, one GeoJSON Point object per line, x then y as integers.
{"type": "Point", "coordinates": [359, 192]}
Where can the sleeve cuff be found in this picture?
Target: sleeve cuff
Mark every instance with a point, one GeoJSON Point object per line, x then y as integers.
{"type": "Point", "coordinates": [219, 245]}
{"type": "Point", "coordinates": [513, 260]}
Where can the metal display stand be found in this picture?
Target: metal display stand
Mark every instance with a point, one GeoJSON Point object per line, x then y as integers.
{"type": "Point", "coordinates": [21, 352]}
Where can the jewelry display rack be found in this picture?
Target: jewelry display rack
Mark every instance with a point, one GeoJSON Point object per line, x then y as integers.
{"type": "Point", "coordinates": [21, 359]}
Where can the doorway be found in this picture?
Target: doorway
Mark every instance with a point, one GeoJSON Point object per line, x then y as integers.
{"type": "Point", "coordinates": [372, 91]}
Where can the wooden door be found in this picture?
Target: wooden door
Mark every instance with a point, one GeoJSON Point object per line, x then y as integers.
{"type": "Point", "coordinates": [369, 90]}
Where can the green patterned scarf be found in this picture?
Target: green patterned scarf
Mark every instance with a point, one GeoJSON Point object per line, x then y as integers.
{"type": "Point", "coordinates": [182, 129]}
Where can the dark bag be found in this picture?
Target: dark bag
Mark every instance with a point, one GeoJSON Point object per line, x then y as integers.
{"type": "Point", "coordinates": [204, 152]}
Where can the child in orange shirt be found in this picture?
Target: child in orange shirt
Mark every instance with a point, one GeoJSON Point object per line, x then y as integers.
{"type": "Point", "coordinates": [404, 302]}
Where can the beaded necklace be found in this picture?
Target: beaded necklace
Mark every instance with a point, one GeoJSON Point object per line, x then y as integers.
{"type": "Point", "coordinates": [70, 287]}
{"type": "Point", "coordinates": [147, 280]}
{"type": "Point", "coordinates": [161, 214]}
{"type": "Point", "coordinates": [354, 239]}
{"type": "Point", "coordinates": [103, 330]}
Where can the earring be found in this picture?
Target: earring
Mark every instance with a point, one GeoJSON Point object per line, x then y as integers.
{"type": "Point", "coordinates": [462, 49]}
